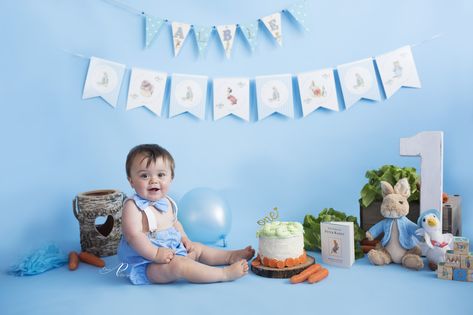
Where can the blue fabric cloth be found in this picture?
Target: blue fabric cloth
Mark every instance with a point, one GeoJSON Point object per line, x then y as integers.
{"type": "Point", "coordinates": [141, 203]}
{"type": "Point", "coordinates": [406, 227]}
{"type": "Point", "coordinates": [137, 265]}
{"type": "Point", "coordinates": [39, 261]}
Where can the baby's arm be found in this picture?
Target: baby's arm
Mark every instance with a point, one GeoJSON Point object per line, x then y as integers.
{"type": "Point", "coordinates": [132, 228]}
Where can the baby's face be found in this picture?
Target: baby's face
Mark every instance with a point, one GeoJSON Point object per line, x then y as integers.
{"type": "Point", "coordinates": [150, 182]}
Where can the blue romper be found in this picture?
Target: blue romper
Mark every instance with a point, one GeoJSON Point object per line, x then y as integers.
{"type": "Point", "coordinates": [169, 238]}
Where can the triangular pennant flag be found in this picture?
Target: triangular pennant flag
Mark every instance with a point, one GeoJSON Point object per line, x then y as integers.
{"type": "Point", "coordinates": [358, 80]}
{"type": "Point", "coordinates": [202, 35]}
{"type": "Point", "coordinates": [227, 36]}
{"type": "Point", "coordinates": [274, 94]}
{"type": "Point", "coordinates": [104, 79]}
{"type": "Point", "coordinates": [146, 89]}
{"type": "Point", "coordinates": [188, 94]}
{"type": "Point", "coordinates": [250, 31]}
{"type": "Point", "coordinates": [298, 11]}
{"type": "Point", "coordinates": [274, 26]}
{"type": "Point", "coordinates": [231, 96]}
{"type": "Point", "coordinates": [397, 69]}
{"type": "Point", "coordinates": [179, 35]}
{"type": "Point", "coordinates": [317, 89]}
{"type": "Point", "coordinates": [152, 26]}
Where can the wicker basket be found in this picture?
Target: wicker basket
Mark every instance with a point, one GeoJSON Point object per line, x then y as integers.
{"type": "Point", "coordinates": [99, 239]}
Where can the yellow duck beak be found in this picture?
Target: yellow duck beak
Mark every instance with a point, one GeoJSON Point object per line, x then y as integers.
{"type": "Point", "coordinates": [431, 222]}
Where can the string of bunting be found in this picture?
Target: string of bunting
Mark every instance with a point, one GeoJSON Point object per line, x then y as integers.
{"type": "Point", "coordinates": [274, 94]}
{"type": "Point", "coordinates": [226, 33]}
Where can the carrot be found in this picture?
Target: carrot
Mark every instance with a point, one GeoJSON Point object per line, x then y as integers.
{"type": "Point", "coordinates": [266, 261]}
{"type": "Point", "coordinates": [370, 243]}
{"type": "Point", "coordinates": [273, 263]}
{"type": "Point", "coordinates": [444, 197]}
{"type": "Point", "coordinates": [367, 248]}
{"type": "Point", "coordinates": [256, 262]}
{"type": "Point", "coordinates": [91, 259]}
{"type": "Point", "coordinates": [73, 261]}
{"type": "Point", "coordinates": [289, 262]}
{"type": "Point", "coordinates": [304, 275]}
{"type": "Point", "coordinates": [280, 264]}
{"type": "Point", "coordinates": [318, 276]}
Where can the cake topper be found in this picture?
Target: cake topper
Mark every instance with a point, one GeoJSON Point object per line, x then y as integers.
{"type": "Point", "coordinates": [273, 215]}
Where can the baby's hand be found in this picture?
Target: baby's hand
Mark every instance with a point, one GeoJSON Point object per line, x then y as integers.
{"type": "Point", "coordinates": [188, 244]}
{"type": "Point", "coordinates": [163, 255]}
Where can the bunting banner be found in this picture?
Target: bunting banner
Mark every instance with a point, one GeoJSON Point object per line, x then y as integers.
{"type": "Point", "coordinates": [231, 96]}
{"type": "Point", "coordinates": [152, 26]}
{"type": "Point", "coordinates": [188, 94]}
{"type": "Point", "coordinates": [104, 79]}
{"type": "Point", "coordinates": [146, 89]}
{"type": "Point", "coordinates": [179, 35]}
{"type": "Point", "coordinates": [298, 10]}
{"type": "Point", "coordinates": [397, 69]}
{"type": "Point", "coordinates": [250, 31]}
{"type": "Point", "coordinates": [273, 24]}
{"type": "Point", "coordinates": [202, 35]}
{"type": "Point", "coordinates": [317, 89]}
{"type": "Point", "coordinates": [227, 35]}
{"type": "Point", "coordinates": [274, 95]}
{"type": "Point", "coordinates": [358, 80]}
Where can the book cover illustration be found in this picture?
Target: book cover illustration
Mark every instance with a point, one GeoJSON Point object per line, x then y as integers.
{"type": "Point", "coordinates": [337, 243]}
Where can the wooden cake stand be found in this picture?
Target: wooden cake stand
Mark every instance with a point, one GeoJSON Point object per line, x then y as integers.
{"type": "Point", "coordinates": [287, 272]}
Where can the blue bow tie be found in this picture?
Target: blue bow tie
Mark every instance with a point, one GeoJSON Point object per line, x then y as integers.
{"type": "Point", "coordinates": [161, 204]}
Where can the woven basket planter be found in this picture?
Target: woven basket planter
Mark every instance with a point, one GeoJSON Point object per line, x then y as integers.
{"type": "Point", "coordinates": [99, 239]}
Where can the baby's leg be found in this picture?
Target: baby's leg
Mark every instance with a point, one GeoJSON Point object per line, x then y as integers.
{"type": "Point", "coordinates": [216, 257]}
{"type": "Point", "coordinates": [185, 268]}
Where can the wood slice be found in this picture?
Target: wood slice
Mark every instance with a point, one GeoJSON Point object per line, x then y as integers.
{"type": "Point", "coordinates": [287, 272]}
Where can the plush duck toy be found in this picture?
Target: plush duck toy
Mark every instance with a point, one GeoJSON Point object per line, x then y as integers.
{"type": "Point", "coordinates": [436, 243]}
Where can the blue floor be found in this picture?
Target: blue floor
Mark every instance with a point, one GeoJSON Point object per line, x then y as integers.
{"type": "Point", "coordinates": [362, 289]}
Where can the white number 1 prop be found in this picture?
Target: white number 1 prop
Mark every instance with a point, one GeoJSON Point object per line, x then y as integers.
{"type": "Point", "coordinates": [429, 146]}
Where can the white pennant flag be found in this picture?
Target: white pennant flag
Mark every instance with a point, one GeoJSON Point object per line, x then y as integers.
{"type": "Point", "coordinates": [227, 36]}
{"type": "Point", "coordinates": [274, 26]}
{"type": "Point", "coordinates": [104, 79]}
{"type": "Point", "coordinates": [397, 69]}
{"type": "Point", "coordinates": [274, 94]}
{"type": "Point", "coordinates": [179, 35]}
{"type": "Point", "coordinates": [358, 80]}
{"type": "Point", "coordinates": [146, 89]}
{"type": "Point", "coordinates": [231, 96]}
{"type": "Point", "coordinates": [188, 94]}
{"type": "Point", "coordinates": [317, 89]}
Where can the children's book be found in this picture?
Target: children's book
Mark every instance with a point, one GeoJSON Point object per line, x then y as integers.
{"type": "Point", "coordinates": [338, 245]}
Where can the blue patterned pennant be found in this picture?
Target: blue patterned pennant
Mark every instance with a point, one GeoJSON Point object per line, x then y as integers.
{"type": "Point", "coordinates": [250, 31]}
{"type": "Point", "coordinates": [202, 35]}
{"type": "Point", "coordinates": [152, 27]}
{"type": "Point", "coordinates": [298, 11]}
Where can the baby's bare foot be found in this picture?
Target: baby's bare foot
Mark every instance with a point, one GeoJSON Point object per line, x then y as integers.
{"type": "Point", "coordinates": [236, 270]}
{"type": "Point", "coordinates": [246, 253]}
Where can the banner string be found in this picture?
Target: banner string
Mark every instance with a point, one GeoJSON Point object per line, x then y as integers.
{"type": "Point", "coordinates": [124, 6]}
{"type": "Point", "coordinates": [436, 36]}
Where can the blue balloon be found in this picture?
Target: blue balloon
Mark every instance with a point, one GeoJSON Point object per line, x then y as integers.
{"type": "Point", "coordinates": [205, 215]}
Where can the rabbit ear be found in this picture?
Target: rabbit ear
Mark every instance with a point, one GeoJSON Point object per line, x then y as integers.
{"type": "Point", "coordinates": [386, 188]}
{"type": "Point", "coordinates": [403, 188]}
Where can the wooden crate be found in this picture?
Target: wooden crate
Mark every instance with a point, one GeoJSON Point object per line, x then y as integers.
{"type": "Point", "coordinates": [451, 213]}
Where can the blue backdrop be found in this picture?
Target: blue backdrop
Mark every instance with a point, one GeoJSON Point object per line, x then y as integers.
{"type": "Point", "coordinates": [55, 145]}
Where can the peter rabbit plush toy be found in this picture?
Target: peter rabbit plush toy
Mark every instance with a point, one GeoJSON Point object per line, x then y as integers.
{"type": "Point", "coordinates": [399, 244]}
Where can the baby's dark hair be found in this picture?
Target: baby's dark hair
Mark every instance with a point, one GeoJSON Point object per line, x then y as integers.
{"type": "Point", "coordinates": [151, 153]}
